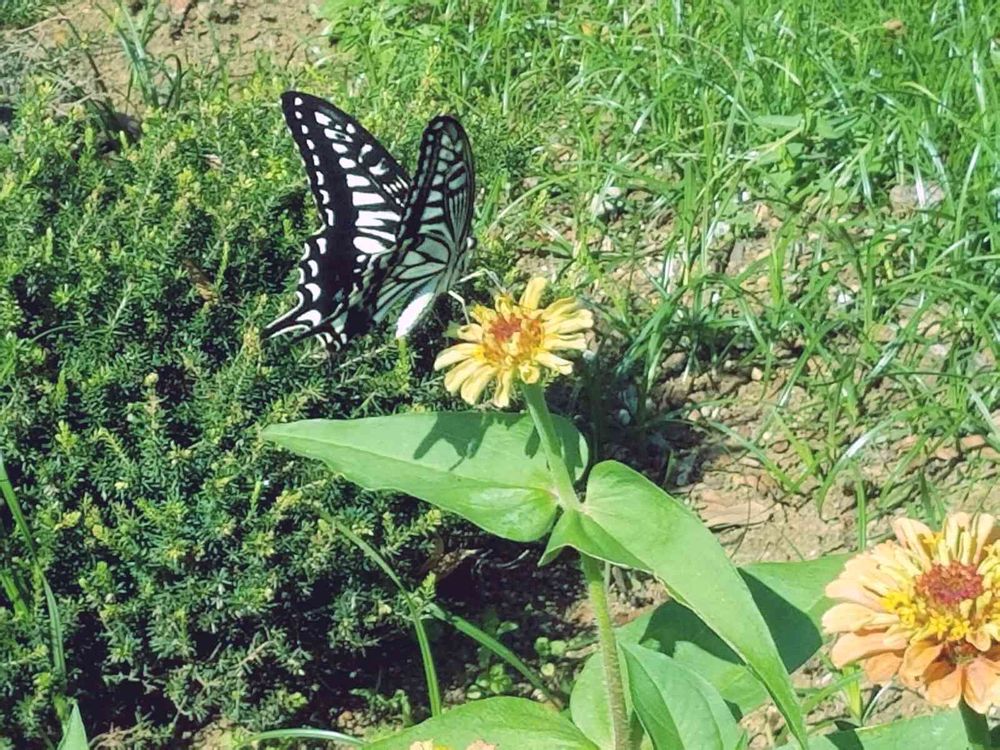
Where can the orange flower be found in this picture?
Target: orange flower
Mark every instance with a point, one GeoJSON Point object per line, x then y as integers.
{"type": "Point", "coordinates": [925, 607]}
{"type": "Point", "coordinates": [513, 340]}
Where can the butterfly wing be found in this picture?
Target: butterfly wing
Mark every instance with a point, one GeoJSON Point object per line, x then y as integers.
{"type": "Point", "coordinates": [360, 191]}
{"type": "Point", "coordinates": [433, 235]}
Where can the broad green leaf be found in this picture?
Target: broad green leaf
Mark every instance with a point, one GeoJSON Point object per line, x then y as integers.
{"type": "Point", "coordinates": [486, 467]}
{"type": "Point", "coordinates": [673, 543]}
{"type": "Point", "coordinates": [505, 722]}
{"type": "Point", "coordinates": [941, 731]}
{"type": "Point", "coordinates": [678, 709]}
{"type": "Point", "coordinates": [790, 598]}
{"type": "Point", "coordinates": [74, 735]}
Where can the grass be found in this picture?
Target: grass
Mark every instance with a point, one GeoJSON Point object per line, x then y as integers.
{"type": "Point", "coordinates": [791, 186]}
{"type": "Point", "coordinates": [807, 190]}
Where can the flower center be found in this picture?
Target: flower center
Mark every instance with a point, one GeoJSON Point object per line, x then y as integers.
{"type": "Point", "coordinates": [504, 328]}
{"type": "Point", "coordinates": [513, 339]}
{"type": "Point", "coordinates": [948, 585]}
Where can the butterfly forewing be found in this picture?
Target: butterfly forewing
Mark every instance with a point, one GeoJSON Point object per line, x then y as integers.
{"type": "Point", "coordinates": [360, 192]}
{"type": "Point", "coordinates": [433, 235]}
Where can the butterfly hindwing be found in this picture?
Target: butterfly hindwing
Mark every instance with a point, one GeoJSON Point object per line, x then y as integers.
{"type": "Point", "coordinates": [433, 235]}
{"type": "Point", "coordinates": [360, 191]}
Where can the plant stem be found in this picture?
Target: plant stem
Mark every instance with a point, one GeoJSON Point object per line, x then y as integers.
{"type": "Point", "coordinates": [593, 572]}
{"type": "Point", "coordinates": [534, 396]}
{"type": "Point", "coordinates": [977, 730]}
{"type": "Point", "coordinates": [593, 569]}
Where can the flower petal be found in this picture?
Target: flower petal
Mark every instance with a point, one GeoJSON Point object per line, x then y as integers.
{"type": "Point", "coordinates": [471, 332]}
{"type": "Point", "coordinates": [533, 293]}
{"type": "Point", "coordinates": [454, 379]}
{"type": "Point", "coordinates": [454, 354]}
{"type": "Point", "coordinates": [849, 616]}
{"type": "Point", "coordinates": [550, 360]}
{"type": "Point", "coordinates": [473, 387]}
{"type": "Point", "coordinates": [944, 685]}
{"type": "Point", "coordinates": [982, 684]}
{"type": "Point", "coordinates": [881, 668]}
{"type": "Point", "coordinates": [852, 647]}
{"type": "Point", "coordinates": [505, 382]}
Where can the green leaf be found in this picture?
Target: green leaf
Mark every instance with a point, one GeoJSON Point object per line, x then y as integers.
{"type": "Point", "coordinates": [504, 722]}
{"type": "Point", "coordinates": [790, 598]}
{"type": "Point", "coordinates": [486, 467]}
{"type": "Point", "coordinates": [74, 735]}
{"type": "Point", "coordinates": [678, 709]}
{"type": "Point", "coordinates": [942, 730]}
{"type": "Point", "coordinates": [673, 543]}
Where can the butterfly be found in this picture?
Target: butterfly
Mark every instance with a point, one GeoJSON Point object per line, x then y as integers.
{"type": "Point", "coordinates": [386, 239]}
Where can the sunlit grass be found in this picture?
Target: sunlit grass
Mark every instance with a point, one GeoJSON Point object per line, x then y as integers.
{"type": "Point", "coordinates": [800, 187]}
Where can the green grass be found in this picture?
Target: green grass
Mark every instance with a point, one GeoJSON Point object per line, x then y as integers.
{"type": "Point", "coordinates": [772, 130]}
{"type": "Point", "coordinates": [19, 13]}
{"type": "Point", "coordinates": [714, 178]}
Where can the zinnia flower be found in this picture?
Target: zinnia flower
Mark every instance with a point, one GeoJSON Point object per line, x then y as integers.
{"type": "Point", "coordinates": [925, 607]}
{"type": "Point", "coordinates": [513, 340]}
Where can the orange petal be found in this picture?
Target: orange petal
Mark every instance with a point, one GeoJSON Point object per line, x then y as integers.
{"type": "Point", "coordinates": [944, 687]}
{"type": "Point", "coordinates": [882, 667]}
{"type": "Point", "coordinates": [848, 616]}
{"type": "Point", "coordinates": [851, 647]}
{"type": "Point", "coordinates": [982, 684]}
{"type": "Point", "coordinates": [917, 658]}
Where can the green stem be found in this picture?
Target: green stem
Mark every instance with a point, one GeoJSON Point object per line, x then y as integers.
{"type": "Point", "coordinates": [534, 396]}
{"type": "Point", "coordinates": [593, 572]}
{"type": "Point", "coordinates": [977, 730]}
{"type": "Point", "coordinates": [593, 569]}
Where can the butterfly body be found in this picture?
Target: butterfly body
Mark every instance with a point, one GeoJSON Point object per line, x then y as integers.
{"type": "Point", "coordinates": [385, 239]}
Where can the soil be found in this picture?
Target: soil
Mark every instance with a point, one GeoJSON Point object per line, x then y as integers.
{"type": "Point", "coordinates": [754, 516]}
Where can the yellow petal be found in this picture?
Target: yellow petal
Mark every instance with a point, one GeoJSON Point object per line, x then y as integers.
{"type": "Point", "coordinates": [533, 293]}
{"type": "Point", "coordinates": [454, 379]}
{"type": "Point", "coordinates": [483, 314]}
{"type": "Point", "coordinates": [550, 360]}
{"type": "Point", "coordinates": [577, 342]}
{"type": "Point", "coordinates": [505, 381]}
{"type": "Point", "coordinates": [528, 372]}
{"type": "Point", "coordinates": [561, 308]}
{"type": "Point", "coordinates": [581, 320]}
{"type": "Point", "coordinates": [472, 332]}
{"type": "Point", "coordinates": [454, 354]}
{"type": "Point", "coordinates": [473, 387]}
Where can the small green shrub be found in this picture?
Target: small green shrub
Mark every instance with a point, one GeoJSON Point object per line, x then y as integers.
{"type": "Point", "coordinates": [193, 573]}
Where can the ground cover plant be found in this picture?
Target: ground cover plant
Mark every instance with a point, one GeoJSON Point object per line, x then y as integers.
{"type": "Point", "coordinates": [783, 215]}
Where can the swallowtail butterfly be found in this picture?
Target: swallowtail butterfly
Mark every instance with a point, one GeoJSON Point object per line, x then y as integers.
{"type": "Point", "coordinates": [385, 239]}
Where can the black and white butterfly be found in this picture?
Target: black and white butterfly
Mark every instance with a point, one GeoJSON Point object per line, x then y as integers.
{"type": "Point", "coordinates": [385, 239]}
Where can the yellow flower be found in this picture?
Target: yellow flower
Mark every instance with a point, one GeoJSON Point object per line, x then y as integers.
{"type": "Point", "coordinates": [513, 340]}
{"type": "Point", "coordinates": [925, 607]}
